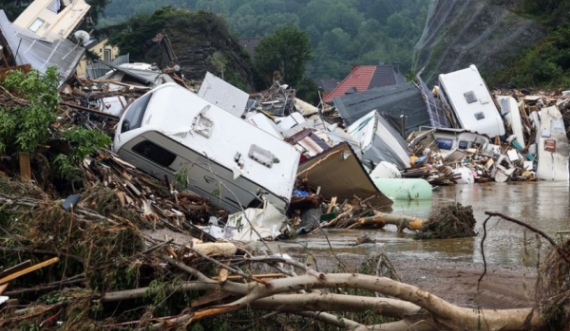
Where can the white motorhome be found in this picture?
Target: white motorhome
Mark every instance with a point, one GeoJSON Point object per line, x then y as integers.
{"type": "Point", "coordinates": [170, 131]}
{"type": "Point", "coordinates": [466, 93]}
{"type": "Point", "coordinates": [379, 141]}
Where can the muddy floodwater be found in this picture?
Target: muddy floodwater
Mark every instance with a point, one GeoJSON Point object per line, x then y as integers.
{"type": "Point", "coordinates": [544, 205]}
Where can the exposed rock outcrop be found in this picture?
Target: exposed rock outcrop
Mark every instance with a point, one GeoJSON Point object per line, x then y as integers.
{"type": "Point", "coordinates": [460, 33]}
{"type": "Point", "coordinates": [195, 37]}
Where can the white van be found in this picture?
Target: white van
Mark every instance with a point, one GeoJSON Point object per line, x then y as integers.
{"type": "Point", "coordinates": [170, 131]}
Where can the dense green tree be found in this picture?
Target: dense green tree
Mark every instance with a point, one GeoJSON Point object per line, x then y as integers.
{"type": "Point", "coordinates": [547, 63]}
{"type": "Point", "coordinates": [287, 50]}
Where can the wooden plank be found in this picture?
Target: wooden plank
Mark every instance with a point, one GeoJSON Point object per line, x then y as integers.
{"type": "Point", "coordinates": [28, 270]}
{"type": "Point", "coordinates": [15, 268]}
{"type": "Point", "coordinates": [331, 205]}
{"type": "Point", "coordinates": [25, 166]}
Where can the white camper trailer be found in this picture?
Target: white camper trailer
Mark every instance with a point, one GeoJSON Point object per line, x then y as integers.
{"type": "Point", "coordinates": [171, 130]}
{"type": "Point", "coordinates": [379, 141]}
{"type": "Point", "coordinates": [466, 93]}
{"type": "Point", "coordinates": [553, 149]}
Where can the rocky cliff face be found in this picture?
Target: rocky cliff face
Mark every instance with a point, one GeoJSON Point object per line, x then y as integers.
{"type": "Point", "coordinates": [195, 37]}
{"type": "Point", "coordinates": [460, 33]}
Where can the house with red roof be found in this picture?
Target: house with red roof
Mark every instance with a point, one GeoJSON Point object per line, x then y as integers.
{"type": "Point", "coordinates": [363, 78]}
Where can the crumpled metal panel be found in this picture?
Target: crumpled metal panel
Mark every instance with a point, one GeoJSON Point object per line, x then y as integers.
{"type": "Point", "coordinates": [42, 54]}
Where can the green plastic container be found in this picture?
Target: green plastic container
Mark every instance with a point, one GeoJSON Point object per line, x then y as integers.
{"type": "Point", "coordinates": [404, 188]}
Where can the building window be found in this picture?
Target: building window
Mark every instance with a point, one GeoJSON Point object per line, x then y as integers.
{"type": "Point", "coordinates": [37, 24]}
{"type": "Point", "coordinates": [107, 55]}
{"type": "Point", "coordinates": [155, 153]}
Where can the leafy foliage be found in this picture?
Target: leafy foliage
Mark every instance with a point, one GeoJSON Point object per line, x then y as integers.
{"type": "Point", "coordinates": [219, 61]}
{"type": "Point", "coordinates": [132, 34]}
{"type": "Point", "coordinates": [286, 50]}
{"type": "Point", "coordinates": [28, 126]}
{"type": "Point", "coordinates": [84, 143]}
{"type": "Point", "coordinates": [548, 63]}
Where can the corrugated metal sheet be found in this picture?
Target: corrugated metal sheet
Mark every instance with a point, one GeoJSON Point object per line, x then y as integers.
{"type": "Point", "coordinates": [42, 54]}
{"type": "Point", "coordinates": [393, 101]}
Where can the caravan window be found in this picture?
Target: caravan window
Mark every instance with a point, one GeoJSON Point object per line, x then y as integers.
{"type": "Point", "coordinates": [470, 97]}
{"type": "Point", "coordinates": [134, 116]}
{"type": "Point", "coordinates": [36, 25]}
{"type": "Point", "coordinates": [155, 153]}
{"type": "Point", "coordinates": [463, 145]}
{"type": "Point", "coordinates": [446, 144]}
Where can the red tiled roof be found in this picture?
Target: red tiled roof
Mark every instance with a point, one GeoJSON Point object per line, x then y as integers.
{"type": "Point", "coordinates": [359, 78]}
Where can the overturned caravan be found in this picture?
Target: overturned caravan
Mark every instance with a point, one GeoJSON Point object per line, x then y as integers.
{"type": "Point", "coordinates": [172, 133]}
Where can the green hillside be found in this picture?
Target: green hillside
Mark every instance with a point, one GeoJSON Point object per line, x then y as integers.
{"type": "Point", "coordinates": [342, 32]}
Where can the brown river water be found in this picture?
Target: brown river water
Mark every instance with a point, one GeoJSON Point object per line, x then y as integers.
{"type": "Point", "coordinates": [544, 205]}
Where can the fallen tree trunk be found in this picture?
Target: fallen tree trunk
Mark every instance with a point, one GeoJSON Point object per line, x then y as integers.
{"type": "Point", "coordinates": [412, 302]}
{"type": "Point", "coordinates": [401, 221]}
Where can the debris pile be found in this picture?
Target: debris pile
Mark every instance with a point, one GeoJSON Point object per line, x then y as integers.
{"type": "Point", "coordinates": [200, 171]}
{"type": "Point", "coordinates": [451, 221]}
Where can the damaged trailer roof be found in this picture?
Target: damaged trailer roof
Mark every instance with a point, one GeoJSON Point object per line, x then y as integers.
{"type": "Point", "coordinates": [379, 141]}
{"type": "Point", "coordinates": [395, 100]}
